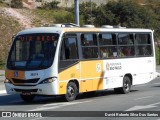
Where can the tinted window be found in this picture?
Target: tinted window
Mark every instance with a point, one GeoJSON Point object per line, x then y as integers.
{"type": "Point", "coordinates": [143, 50]}
{"type": "Point", "coordinates": [108, 51]}
{"type": "Point", "coordinates": [108, 45]}
{"type": "Point", "coordinates": [89, 39]}
{"type": "Point", "coordinates": [107, 39]}
{"type": "Point", "coordinates": [142, 39]}
{"type": "Point", "coordinates": [125, 39]}
{"type": "Point", "coordinates": [126, 45]}
{"type": "Point", "coordinates": [69, 48]}
{"type": "Point", "coordinates": [89, 45]}
{"type": "Point", "coordinates": [143, 46]}
{"type": "Point", "coordinates": [125, 51]}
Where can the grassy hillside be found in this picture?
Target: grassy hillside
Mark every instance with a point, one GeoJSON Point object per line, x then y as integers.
{"type": "Point", "coordinates": [8, 27]}
{"type": "Point", "coordinates": [54, 16]}
{"type": "Point", "coordinates": [39, 17]}
{"type": "Point", "coordinates": [3, 4]}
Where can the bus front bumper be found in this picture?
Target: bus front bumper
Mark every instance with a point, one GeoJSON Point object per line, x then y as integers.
{"type": "Point", "coordinates": [40, 89]}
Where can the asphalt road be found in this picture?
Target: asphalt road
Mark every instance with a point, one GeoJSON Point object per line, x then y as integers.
{"type": "Point", "coordinates": [144, 97]}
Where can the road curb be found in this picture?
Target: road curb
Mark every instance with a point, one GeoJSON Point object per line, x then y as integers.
{"type": "Point", "coordinates": [2, 75]}
{"type": "Point", "coordinates": [3, 92]}
{"type": "Point", "coordinates": [2, 78]}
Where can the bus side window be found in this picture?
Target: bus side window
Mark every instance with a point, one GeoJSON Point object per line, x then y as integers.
{"type": "Point", "coordinates": [143, 44]}
{"type": "Point", "coordinates": [89, 45]}
{"type": "Point", "coordinates": [69, 49]}
{"type": "Point", "coordinates": [108, 45]}
{"type": "Point", "coordinates": [89, 39]}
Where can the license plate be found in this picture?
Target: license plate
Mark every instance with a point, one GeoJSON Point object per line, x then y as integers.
{"type": "Point", "coordinates": [26, 93]}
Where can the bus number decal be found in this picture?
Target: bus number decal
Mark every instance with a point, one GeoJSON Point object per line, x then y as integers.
{"type": "Point", "coordinates": [34, 74]}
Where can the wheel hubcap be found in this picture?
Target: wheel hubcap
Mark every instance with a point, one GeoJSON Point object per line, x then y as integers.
{"type": "Point", "coordinates": [126, 86]}
{"type": "Point", "coordinates": [70, 91]}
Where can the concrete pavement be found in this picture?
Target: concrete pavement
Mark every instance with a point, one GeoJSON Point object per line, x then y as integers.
{"type": "Point", "coordinates": [158, 68]}
{"type": "Point", "coordinates": [2, 77]}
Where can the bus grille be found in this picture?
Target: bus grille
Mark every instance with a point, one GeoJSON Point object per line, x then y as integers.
{"type": "Point", "coordinates": [25, 90]}
{"type": "Point", "coordinates": [25, 81]}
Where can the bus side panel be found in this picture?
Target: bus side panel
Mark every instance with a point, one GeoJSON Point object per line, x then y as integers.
{"type": "Point", "coordinates": [91, 75]}
{"type": "Point", "coordinates": [98, 84]}
{"type": "Point", "coordinates": [143, 70]}
{"type": "Point", "coordinates": [71, 73]}
{"type": "Point", "coordinates": [113, 73]}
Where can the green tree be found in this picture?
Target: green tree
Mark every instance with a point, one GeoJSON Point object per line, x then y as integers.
{"type": "Point", "coordinates": [51, 5]}
{"type": "Point", "coordinates": [86, 13]}
{"type": "Point", "coordinates": [127, 13]}
{"type": "Point", "coordinates": [104, 16]}
{"type": "Point", "coordinates": [16, 4]}
{"type": "Point", "coordinates": [154, 5]}
{"type": "Point", "coordinates": [65, 17]}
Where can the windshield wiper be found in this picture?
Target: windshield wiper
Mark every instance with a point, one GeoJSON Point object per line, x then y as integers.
{"type": "Point", "coordinates": [41, 63]}
{"type": "Point", "coordinates": [50, 56]}
{"type": "Point", "coordinates": [28, 61]}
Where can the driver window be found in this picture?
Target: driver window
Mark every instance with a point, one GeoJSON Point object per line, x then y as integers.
{"type": "Point", "coordinates": [69, 49]}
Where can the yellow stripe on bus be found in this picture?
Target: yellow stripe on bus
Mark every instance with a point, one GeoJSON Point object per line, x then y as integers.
{"type": "Point", "coordinates": [81, 29]}
{"type": "Point", "coordinates": [91, 69]}
{"type": "Point", "coordinates": [10, 74]}
{"type": "Point", "coordinates": [68, 74]}
{"type": "Point", "coordinates": [88, 73]}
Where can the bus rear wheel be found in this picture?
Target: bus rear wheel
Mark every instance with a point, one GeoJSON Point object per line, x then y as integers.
{"type": "Point", "coordinates": [126, 86]}
{"type": "Point", "coordinates": [27, 98]}
{"type": "Point", "coordinates": [72, 92]}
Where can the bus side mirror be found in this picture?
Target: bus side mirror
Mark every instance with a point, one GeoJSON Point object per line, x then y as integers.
{"type": "Point", "coordinates": [13, 37]}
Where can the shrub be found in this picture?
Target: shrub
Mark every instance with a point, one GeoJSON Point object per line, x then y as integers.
{"type": "Point", "coordinates": [51, 5]}
{"type": "Point", "coordinates": [16, 4]}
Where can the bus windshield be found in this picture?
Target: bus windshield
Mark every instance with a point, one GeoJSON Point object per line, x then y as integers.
{"type": "Point", "coordinates": [32, 51]}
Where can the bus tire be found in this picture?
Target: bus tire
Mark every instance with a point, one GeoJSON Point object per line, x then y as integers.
{"type": "Point", "coordinates": [126, 86]}
{"type": "Point", "coordinates": [27, 98]}
{"type": "Point", "coordinates": [72, 92]}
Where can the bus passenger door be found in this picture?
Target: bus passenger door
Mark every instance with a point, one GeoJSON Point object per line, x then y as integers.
{"type": "Point", "coordinates": [91, 75]}
{"type": "Point", "coordinates": [91, 67]}
{"type": "Point", "coordinates": [69, 68]}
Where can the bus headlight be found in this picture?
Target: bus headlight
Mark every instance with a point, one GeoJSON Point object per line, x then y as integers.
{"type": "Point", "coordinates": [7, 81]}
{"type": "Point", "coordinates": [48, 80]}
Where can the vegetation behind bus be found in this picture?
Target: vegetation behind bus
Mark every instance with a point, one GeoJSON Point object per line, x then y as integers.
{"type": "Point", "coordinates": [128, 13]}
{"type": "Point", "coordinates": [8, 27]}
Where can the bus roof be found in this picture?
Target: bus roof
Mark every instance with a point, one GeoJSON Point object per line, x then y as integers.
{"type": "Point", "coordinates": [79, 29]}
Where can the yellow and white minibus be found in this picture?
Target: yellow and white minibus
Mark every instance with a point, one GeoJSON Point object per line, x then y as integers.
{"type": "Point", "coordinates": [67, 60]}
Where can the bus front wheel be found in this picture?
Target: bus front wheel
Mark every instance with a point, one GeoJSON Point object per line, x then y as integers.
{"type": "Point", "coordinates": [72, 91]}
{"type": "Point", "coordinates": [126, 86]}
{"type": "Point", "coordinates": [27, 98]}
